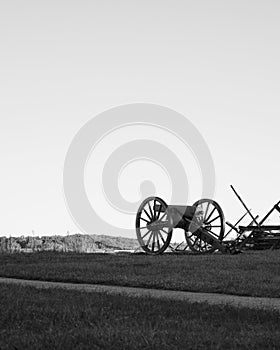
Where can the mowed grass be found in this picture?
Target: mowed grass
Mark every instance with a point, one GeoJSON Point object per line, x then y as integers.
{"type": "Point", "coordinates": [61, 319]}
{"type": "Point", "coordinates": [255, 274]}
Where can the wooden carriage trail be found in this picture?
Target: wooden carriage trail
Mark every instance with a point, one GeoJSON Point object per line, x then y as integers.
{"type": "Point", "coordinates": [192, 297]}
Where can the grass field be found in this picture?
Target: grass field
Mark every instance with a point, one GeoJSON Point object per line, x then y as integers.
{"type": "Point", "coordinates": [255, 274]}
{"type": "Point", "coordinates": [60, 319]}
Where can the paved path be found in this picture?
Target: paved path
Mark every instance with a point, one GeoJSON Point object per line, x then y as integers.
{"type": "Point", "coordinates": [193, 297]}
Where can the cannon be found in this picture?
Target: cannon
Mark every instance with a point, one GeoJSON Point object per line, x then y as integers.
{"type": "Point", "coordinates": [204, 227]}
{"type": "Point", "coordinates": [203, 224]}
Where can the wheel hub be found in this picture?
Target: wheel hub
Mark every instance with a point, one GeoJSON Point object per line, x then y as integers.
{"type": "Point", "coordinates": [156, 225]}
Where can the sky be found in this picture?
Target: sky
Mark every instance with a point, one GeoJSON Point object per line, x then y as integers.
{"type": "Point", "coordinates": [64, 62]}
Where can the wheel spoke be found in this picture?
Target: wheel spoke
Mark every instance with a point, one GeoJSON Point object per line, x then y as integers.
{"type": "Point", "coordinates": [209, 222]}
{"type": "Point", "coordinates": [146, 234]}
{"type": "Point", "coordinates": [150, 209]}
{"type": "Point", "coordinates": [155, 212]}
{"type": "Point", "coordinates": [149, 240]}
{"type": "Point", "coordinates": [194, 243]}
{"type": "Point", "coordinates": [157, 240]}
{"type": "Point", "coordinates": [192, 235]}
{"type": "Point", "coordinates": [213, 233]}
{"type": "Point", "coordinates": [148, 214]}
{"type": "Point", "coordinates": [210, 214]}
{"type": "Point", "coordinates": [145, 220]}
{"type": "Point", "coordinates": [153, 243]}
{"type": "Point", "coordinates": [165, 231]}
{"type": "Point", "coordinates": [163, 241]}
{"type": "Point", "coordinates": [206, 211]}
{"type": "Point", "coordinates": [160, 219]}
{"type": "Point", "coordinates": [160, 207]}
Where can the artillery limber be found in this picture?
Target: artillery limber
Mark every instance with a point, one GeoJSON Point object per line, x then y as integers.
{"type": "Point", "coordinates": [204, 227]}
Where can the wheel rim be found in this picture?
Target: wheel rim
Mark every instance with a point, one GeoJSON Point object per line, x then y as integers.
{"type": "Point", "coordinates": [212, 220]}
{"type": "Point", "coordinates": [153, 226]}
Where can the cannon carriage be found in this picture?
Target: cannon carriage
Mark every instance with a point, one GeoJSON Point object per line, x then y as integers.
{"type": "Point", "coordinates": [204, 227]}
{"type": "Point", "coordinates": [203, 224]}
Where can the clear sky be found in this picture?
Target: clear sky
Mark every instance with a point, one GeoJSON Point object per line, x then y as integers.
{"type": "Point", "coordinates": [63, 62]}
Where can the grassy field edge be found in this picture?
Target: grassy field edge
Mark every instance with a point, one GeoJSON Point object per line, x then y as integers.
{"type": "Point", "coordinates": [246, 274]}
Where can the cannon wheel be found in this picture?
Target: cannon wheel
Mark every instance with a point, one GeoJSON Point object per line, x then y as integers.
{"type": "Point", "coordinates": [212, 220]}
{"type": "Point", "coordinates": [153, 225]}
